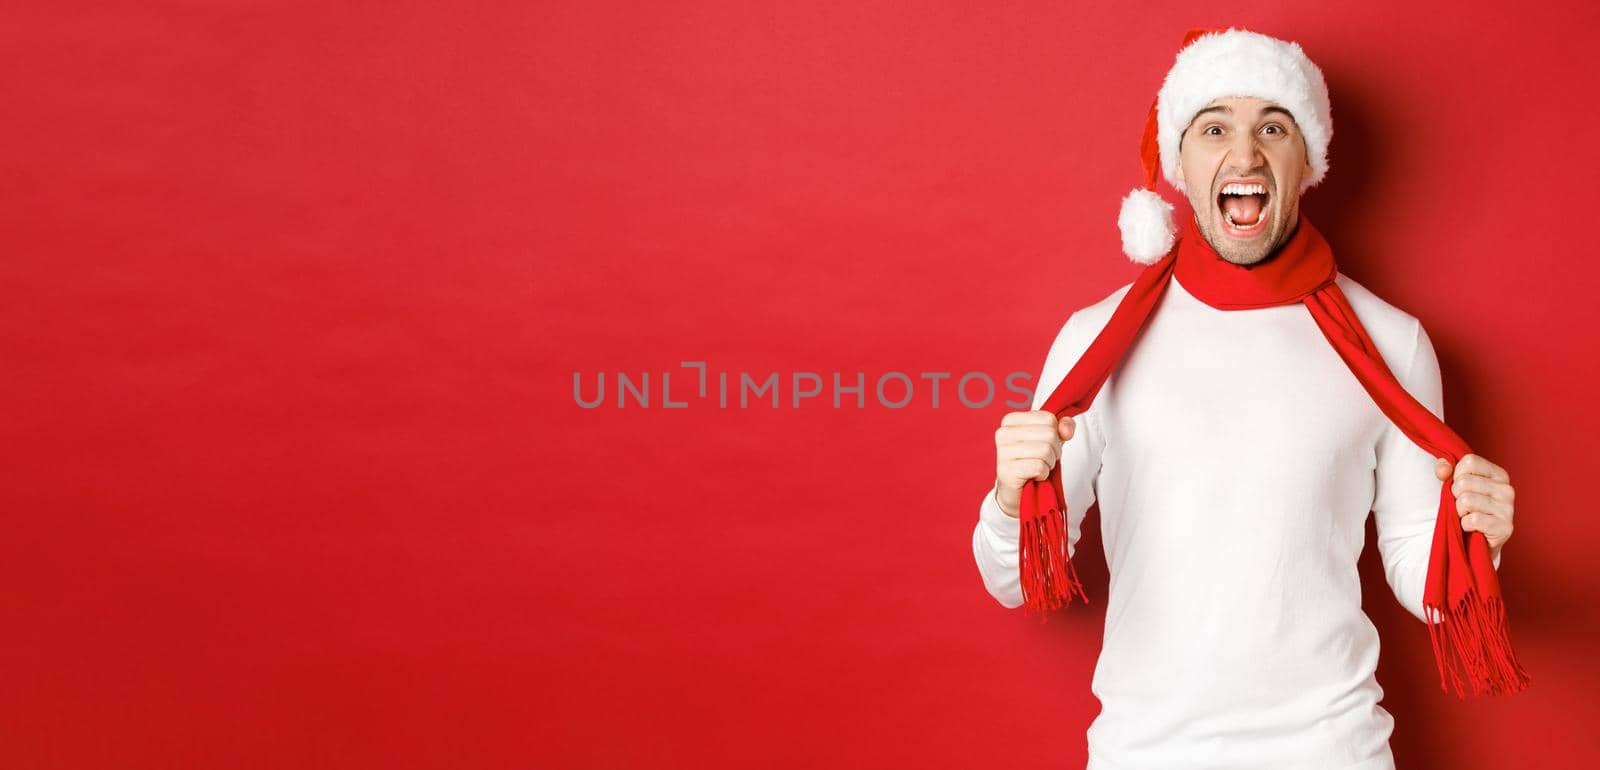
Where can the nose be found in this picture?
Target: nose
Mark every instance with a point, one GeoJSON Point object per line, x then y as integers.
{"type": "Point", "coordinates": [1246, 151]}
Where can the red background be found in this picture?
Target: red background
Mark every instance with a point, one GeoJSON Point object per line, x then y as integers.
{"type": "Point", "coordinates": [293, 295]}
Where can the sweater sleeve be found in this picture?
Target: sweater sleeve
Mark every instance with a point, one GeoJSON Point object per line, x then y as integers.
{"type": "Point", "coordinates": [1406, 498]}
{"type": "Point", "coordinates": [994, 539]}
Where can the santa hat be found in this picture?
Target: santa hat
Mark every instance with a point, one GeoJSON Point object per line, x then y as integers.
{"type": "Point", "coordinates": [1213, 63]}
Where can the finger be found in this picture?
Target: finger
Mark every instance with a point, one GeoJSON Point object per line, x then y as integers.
{"type": "Point", "coordinates": [1036, 417]}
{"type": "Point", "coordinates": [1042, 450]}
{"type": "Point", "coordinates": [1473, 502]}
{"type": "Point", "coordinates": [1029, 450]}
{"type": "Point", "coordinates": [1492, 527]}
{"type": "Point", "coordinates": [1037, 469]}
{"type": "Point", "coordinates": [1010, 434]}
{"type": "Point", "coordinates": [1018, 471]}
{"type": "Point", "coordinates": [1483, 486]}
{"type": "Point", "coordinates": [1442, 468]}
{"type": "Point", "coordinates": [1477, 465]}
{"type": "Point", "coordinates": [1022, 450]}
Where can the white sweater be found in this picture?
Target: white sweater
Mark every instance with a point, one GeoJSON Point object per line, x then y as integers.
{"type": "Point", "coordinates": [1235, 458]}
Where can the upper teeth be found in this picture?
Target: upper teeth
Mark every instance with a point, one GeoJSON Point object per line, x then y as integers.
{"type": "Point", "coordinates": [1236, 188]}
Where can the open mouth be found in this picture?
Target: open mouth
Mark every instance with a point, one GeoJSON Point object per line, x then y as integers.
{"type": "Point", "coordinates": [1244, 206]}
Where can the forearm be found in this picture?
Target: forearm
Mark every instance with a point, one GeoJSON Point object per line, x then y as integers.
{"type": "Point", "coordinates": [995, 549]}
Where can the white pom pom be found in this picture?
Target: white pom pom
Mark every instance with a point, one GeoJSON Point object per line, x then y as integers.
{"type": "Point", "coordinates": [1147, 229]}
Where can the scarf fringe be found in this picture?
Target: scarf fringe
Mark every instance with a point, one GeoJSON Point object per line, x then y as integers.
{"type": "Point", "coordinates": [1472, 646]}
{"type": "Point", "coordinates": [1048, 578]}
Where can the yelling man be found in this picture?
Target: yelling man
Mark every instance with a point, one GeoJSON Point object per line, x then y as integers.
{"type": "Point", "coordinates": [1235, 459]}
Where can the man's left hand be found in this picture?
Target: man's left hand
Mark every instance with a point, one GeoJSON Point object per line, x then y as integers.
{"type": "Point", "coordinates": [1484, 497]}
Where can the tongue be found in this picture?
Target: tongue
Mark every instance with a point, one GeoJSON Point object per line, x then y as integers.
{"type": "Point", "coordinates": [1243, 208]}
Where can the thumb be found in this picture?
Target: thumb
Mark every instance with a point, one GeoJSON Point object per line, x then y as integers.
{"type": "Point", "coordinates": [1442, 469]}
{"type": "Point", "coordinates": [1066, 427]}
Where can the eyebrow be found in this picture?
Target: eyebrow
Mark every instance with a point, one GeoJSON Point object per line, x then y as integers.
{"type": "Point", "coordinates": [1229, 110]}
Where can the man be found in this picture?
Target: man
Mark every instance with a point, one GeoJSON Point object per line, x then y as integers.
{"type": "Point", "coordinates": [1235, 458]}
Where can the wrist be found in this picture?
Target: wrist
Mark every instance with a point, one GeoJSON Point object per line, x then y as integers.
{"type": "Point", "coordinates": [1000, 503]}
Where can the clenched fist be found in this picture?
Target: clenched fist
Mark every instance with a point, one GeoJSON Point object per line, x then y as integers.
{"type": "Point", "coordinates": [1485, 499]}
{"type": "Point", "coordinates": [1027, 445]}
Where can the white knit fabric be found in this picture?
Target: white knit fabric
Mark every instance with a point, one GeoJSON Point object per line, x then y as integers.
{"type": "Point", "coordinates": [1235, 459]}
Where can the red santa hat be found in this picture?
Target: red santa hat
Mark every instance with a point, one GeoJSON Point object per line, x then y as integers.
{"type": "Point", "coordinates": [1214, 63]}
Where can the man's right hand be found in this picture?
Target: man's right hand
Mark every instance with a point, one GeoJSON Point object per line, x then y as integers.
{"type": "Point", "coordinates": [1027, 445]}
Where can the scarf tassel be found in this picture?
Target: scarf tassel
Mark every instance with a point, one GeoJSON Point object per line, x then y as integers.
{"type": "Point", "coordinates": [1467, 624]}
{"type": "Point", "coordinates": [1471, 637]}
{"type": "Point", "coordinates": [1049, 580]}
{"type": "Point", "coordinates": [1472, 645]}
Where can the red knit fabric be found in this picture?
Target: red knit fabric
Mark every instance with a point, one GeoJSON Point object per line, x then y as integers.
{"type": "Point", "coordinates": [1466, 613]}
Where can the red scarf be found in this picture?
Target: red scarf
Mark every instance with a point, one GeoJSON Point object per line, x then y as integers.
{"type": "Point", "coordinates": [1462, 600]}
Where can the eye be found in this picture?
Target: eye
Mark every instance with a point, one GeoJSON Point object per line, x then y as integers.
{"type": "Point", "coordinates": [1273, 128]}
{"type": "Point", "coordinates": [1209, 129]}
